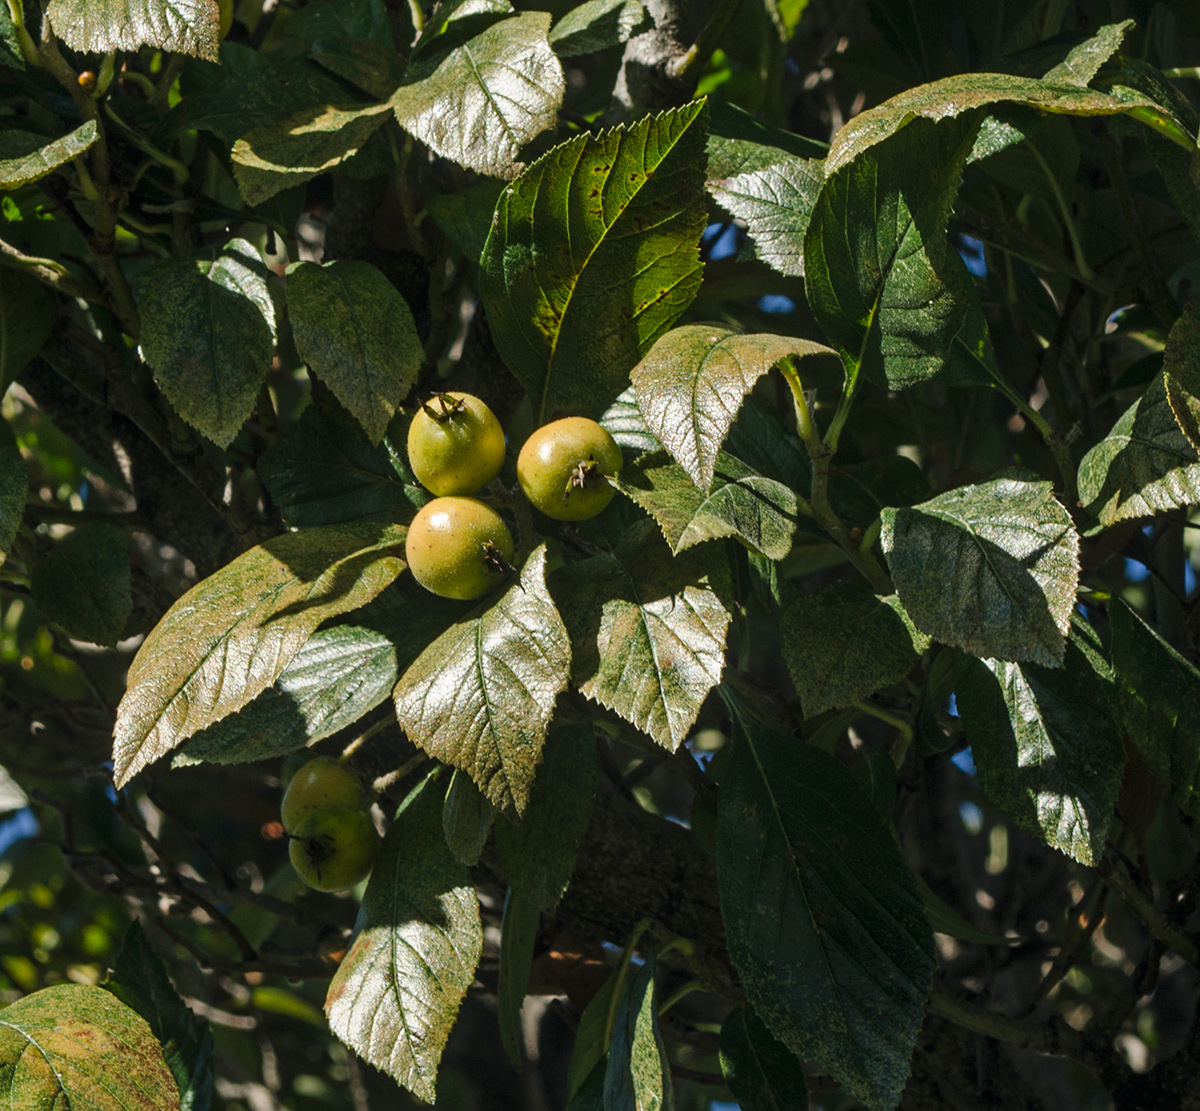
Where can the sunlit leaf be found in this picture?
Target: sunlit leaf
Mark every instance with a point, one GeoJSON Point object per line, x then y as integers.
{"type": "Point", "coordinates": [648, 630]}
{"type": "Point", "coordinates": [1084, 61]}
{"type": "Point", "coordinates": [991, 568]}
{"type": "Point", "coordinates": [822, 915]}
{"type": "Point", "coordinates": [1181, 373]}
{"type": "Point", "coordinates": [691, 384]}
{"type": "Point", "coordinates": [597, 25]}
{"type": "Point", "coordinates": [394, 998]}
{"type": "Point", "coordinates": [1046, 744]}
{"type": "Point", "coordinates": [231, 636]}
{"type": "Point", "coordinates": [26, 156]}
{"type": "Point", "coordinates": [101, 26]}
{"type": "Point", "coordinates": [638, 1075]}
{"type": "Point", "coordinates": [357, 333]}
{"type": "Point", "coordinates": [208, 333]}
{"type": "Point", "coordinates": [479, 102]}
{"type": "Point", "coordinates": [73, 1046]}
{"type": "Point", "coordinates": [481, 696]}
{"type": "Point", "coordinates": [594, 252]}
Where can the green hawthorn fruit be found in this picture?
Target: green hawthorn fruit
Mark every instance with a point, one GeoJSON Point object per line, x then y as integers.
{"type": "Point", "coordinates": [334, 848]}
{"type": "Point", "coordinates": [563, 466]}
{"type": "Point", "coordinates": [458, 547]}
{"type": "Point", "coordinates": [455, 444]}
{"type": "Point", "coordinates": [322, 782]}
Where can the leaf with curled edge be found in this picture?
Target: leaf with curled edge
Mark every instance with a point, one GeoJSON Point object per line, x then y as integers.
{"type": "Point", "coordinates": [479, 102]}
{"type": "Point", "coordinates": [992, 568]}
{"type": "Point", "coordinates": [101, 26]}
{"type": "Point", "coordinates": [1181, 371]}
{"type": "Point", "coordinates": [233, 634]}
{"type": "Point", "coordinates": [26, 157]}
{"type": "Point", "coordinates": [691, 384]}
{"type": "Point", "coordinates": [395, 997]}
{"type": "Point", "coordinates": [648, 630]}
{"type": "Point", "coordinates": [481, 696]}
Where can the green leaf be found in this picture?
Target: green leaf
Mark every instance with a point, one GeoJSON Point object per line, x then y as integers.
{"type": "Point", "coordinates": [759, 511]}
{"type": "Point", "coordinates": [591, 1047]}
{"type": "Point", "coordinates": [479, 102]}
{"type": "Point", "coordinates": [275, 156]}
{"type": "Point", "coordinates": [323, 470]}
{"type": "Point", "coordinates": [481, 696]}
{"type": "Point", "coordinates": [625, 423]}
{"type": "Point", "coordinates": [466, 217]}
{"type": "Point", "coordinates": [991, 568]}
{"type": "Point", "coordinates": [739, 142]}
{"type": "Point", "coordinates": [140, 981]}
{"type": "Point", "coordinates": [597, 25]}
{"type": "Point", "coordinates": [1158, 693]}
{"type": "Point", "coordinates": [85, 585]}
{"type": "Point", "coordinates": [1084, 61]}
{"type": "Point", "coordinates": [638, 1075]}
{"type": "Point", "coordinates": [648, 630]}
{"type": "Point", "coordinates": [761, 1072]}
{"type": "Point", "coordinates": [777, 203]}
{"type": "Point", "coordinates": [71, 1046]}
{"type": "Point", "coordinates": [208, 333]}
{"type": "Point", "coordinates": [395, 997]}
{"type": "Point", "coordinates": [339, 675]}
{"type": "Point", "coordinates": [881, 277]}
{"type": "Point", "coordinates": [27, 316]}
{"type": "Point", "coordinates": [26, 156]}
{"type": "Point", "coordinates": [101, 26]}
{"type": "Point", "coordinates": [842, 644]}
{"type": "Point", "coordinates": [538, 855]}
{"type": "Point", "coordinates": [593, 253]}
{"type": "Point", "coordinates": [357, 333]}
{"type": "Point", "coordinates": [466, 819]}
{"type": "Point", "coordinates": [14, 489]}
{"type": "Point", "coordinates": [231, 636]}
{"type": "Point", "coordinates": [10, 44]}
{"type": "Point", "coordinates": [952, 96]}
{"type": "Point", "coordinates": [518, 935]}
{"type": "Point", "coordinates": [1145, 465]}
{"type": "Point", "coordinates": [840, 966]}
{"type": "Point", "coordinates": [691, 384]}
{"type": "Point", "coordinates": [1046, 745]}
{"type": "Point", "coordinates": [1181, 373]}
{"type": "Point", "coordinates": [944, 919]}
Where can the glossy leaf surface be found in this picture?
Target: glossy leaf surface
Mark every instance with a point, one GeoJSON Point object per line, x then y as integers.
{"type": "Point", "coordinates": [100, 26]}
{"type": "Point", "coordinates": [597, 25]}
{"type": "Point", "coordinates": [26, 156]}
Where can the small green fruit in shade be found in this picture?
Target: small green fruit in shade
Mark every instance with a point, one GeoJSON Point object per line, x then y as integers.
{"type": "Point", "coordinates": [334, 848]}
{"type": "Point", "coordinates": [458, 548]}
{"type": "Point", "coordinates": [455, 444]}
{"type": "Point", "coordinates": [563, 466]}
{"type": "Point", "coordinates": [321, 783]}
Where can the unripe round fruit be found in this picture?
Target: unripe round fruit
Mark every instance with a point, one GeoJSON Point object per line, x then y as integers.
{"type": "Point", "coordinates": [562, 468]}
{"type": "Point", "coordinates": [321, 783]}
{"type": "Point", "coordinates": [334, 848]}
{"type": "Point", "coordinates": [455, 444]}
{"type": "Point", "coordinates": [458, 548]}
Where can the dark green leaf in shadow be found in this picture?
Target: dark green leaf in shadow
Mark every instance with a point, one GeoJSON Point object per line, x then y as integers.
{"type": "Point", "coordinates": [479, 102]}
{"type": "Point", "coordinates": [518, 935]}
{"type": "Point", "coordinates": [842, 644]}
{"type": "Point", "coordinates": [776, 202]}
{"type": "Point", "coordinates": [466, 217]}
{"type": "Point", "coordinates": [323, 470]}
{"type": "Point", "coordinates": [139, 980]}
{"type": "Point", "coordinates": [1046, 744]}
{"type": "Point", "coordinates": [691, 384]}
{"type": "Point", "coordinates": [762, 1073]}
{"type": "Point", "coordinates": [102, 26]}
{"type": "Point", "coordinates": [1158, 693]}
{"type": "Point", "coordinates": [340, 674]}
{"type": "Point", "coordinates": [991, 568]}
{"type": "Point", "coordinates": [1145, 465]}
{"type": "Point", "coordinates": [944, 919]}
{"type": "Point", "coordinates": [597, 25]}
{"type": "Point", "coordinates": [231, 636]}
{"type": "Point", "coordinates": [648, 630]}
{"type": "Point", "coordinates": [26, 156]}
{"type": "Point", "coordinates": [1181, 371]}
{"type": "Point", "coordinates": [759, 511]}
{"type": "Point", "coordinates": [466, 818]}
{"type": "Point", "coordinates": [85, 584]}
{"type": "Point", "coordinates": [739, 142]}
{"type": "Point", "coordinates": [10, 45]}
{"type": "Point", "coordinates": [481, 696]}
{"type": "Point", "coordinates": [208, 333]}
{"type": "Point", "coordinates": [394, 998]}
{"type": "Point", "coordinates": [72, 1046]}
{"type": "Point", "coordinates": [14, 489]}
{"type": "Point", "coordinates": [27, 316]}
{"type": "Point", "coordinates": [275, 156]}
{"type": "Point", "coordinates": [839, 970]}
{"type": "Point", "coordinates": [357, 333]}
{"type": "Point", "coordinates": [593, 253]}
